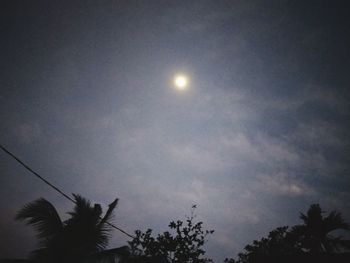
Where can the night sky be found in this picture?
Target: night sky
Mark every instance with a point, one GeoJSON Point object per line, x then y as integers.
{"type": "Point", "coordinates": [261, 133]}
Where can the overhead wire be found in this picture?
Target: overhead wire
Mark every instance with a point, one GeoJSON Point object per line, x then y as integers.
{"type": "Point", "coordinates": [55, 187]}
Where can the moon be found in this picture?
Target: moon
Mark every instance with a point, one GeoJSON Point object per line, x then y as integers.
{"type": "Point", "coordinates": [181, 82]}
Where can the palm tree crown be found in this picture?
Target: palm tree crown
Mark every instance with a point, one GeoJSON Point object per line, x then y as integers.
{"type": "Point", "coordinates": [85, 232]}
{"type": "Point", "coordinates": [314, 233]}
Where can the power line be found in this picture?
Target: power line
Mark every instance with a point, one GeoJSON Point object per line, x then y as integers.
{"type": "Point", "coordinates": [36, 174]}
{"type": "Point", "coordinates": [54, 187]}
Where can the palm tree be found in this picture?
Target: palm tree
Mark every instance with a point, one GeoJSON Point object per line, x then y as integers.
{"type": "Point", "coordinates": [85, 232]}
{"type": "Point", "coordinates": [314, 234]}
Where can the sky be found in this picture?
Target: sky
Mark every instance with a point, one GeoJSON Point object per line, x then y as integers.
{"type": "Point", "coordinates": [262, 131]}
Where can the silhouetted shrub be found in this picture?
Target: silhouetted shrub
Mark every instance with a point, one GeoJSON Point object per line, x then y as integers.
{"type": "Point", "coordinates": [184, 244]}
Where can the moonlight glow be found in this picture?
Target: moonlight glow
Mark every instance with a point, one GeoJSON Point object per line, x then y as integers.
{"type": "Point", "coordinates": [180, 82]}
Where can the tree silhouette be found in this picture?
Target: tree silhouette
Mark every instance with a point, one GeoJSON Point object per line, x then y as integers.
{"type": "Point", "coordinates": [278, 244]}
{"type": "Point", "coordinates": [185, 245]}
{"type": "Point", "coordinates": [302, 243]}
{"type": "Point", "coordinates": [85, 232]}
{"type": "Point", "coordinates": [314, 234]}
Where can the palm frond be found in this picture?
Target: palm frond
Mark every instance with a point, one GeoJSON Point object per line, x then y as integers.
{"type": "Point", "coordinates": [82, 206]}
{"type": "Point", "coordinates": [85, 232]}
{"type": "Point", "coordinates": [109, 213]}
{"type": "Point", "coordinates": [43, 216]}
{"type": "Point", "coordinates": [103, 228]}
{"type": "Point", "coordinates": [86, 228]}
{"type": "Point", "coordinates": [335, 221]}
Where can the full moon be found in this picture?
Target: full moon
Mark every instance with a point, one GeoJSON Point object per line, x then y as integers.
{"type": "Point", "coordinates": [181, 82]}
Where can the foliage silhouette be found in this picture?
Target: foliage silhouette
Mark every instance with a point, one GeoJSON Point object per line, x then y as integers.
{"type": "Point", "coordinates": [185, 245]}
{"type": "Point", "coordinates": [85, 232]}
{"type": "Point", "coordinates": [306, 242]}
{"type": "Point", "coordinates": [314, 234]}
{"type": "Point", "coordinates": [278, 243]}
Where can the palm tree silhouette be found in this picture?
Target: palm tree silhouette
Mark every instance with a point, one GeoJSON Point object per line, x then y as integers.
{"type": "Point", "coordinates": [314, 233]}
{"type": "Point", "coordinates": [85, 232]}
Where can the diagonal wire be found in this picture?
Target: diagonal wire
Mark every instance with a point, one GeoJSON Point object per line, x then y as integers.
{"type": "Point", "coordinates": [54, 187]}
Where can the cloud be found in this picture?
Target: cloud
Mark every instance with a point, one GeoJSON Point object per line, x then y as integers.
{"type": "Point", "coordinates": [193, 157]}
{"type": "Point", "coordinates": [28, 133]}
{"type": "Point", "coordinates": [282, 184]}
{"type": "Point", "coordinates": [307, 94]}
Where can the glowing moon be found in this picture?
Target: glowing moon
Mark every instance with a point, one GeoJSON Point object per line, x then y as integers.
{"type": "Point", "coordinates": [181, 82]}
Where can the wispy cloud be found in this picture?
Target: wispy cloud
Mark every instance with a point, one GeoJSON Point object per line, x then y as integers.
{"type": "Point", "coordinates": [28, 133]}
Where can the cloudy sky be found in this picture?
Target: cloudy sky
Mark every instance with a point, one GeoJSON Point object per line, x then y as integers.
{"type": "Point", "coordinates": [261, 133]}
